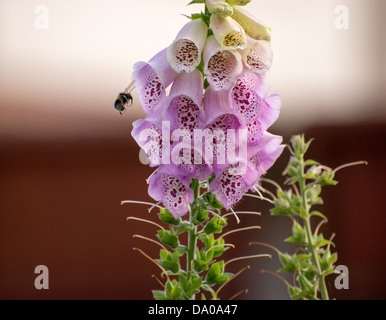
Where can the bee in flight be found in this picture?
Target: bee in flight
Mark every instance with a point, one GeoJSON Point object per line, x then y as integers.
{"type": "Point", "coordinates": [123, 99]}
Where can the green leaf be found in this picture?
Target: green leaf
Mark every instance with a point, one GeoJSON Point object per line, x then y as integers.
{"type": "Point", "coordinates": [298, 234]}
{"type": "Point", "coordinates": [184, 226]}
{"type": "Point", "coordinates": [311, 162]}
{"type": "Point", "coordinates": [208, 288]}
{"type": "Point", "coordinates": [166, 217]}
{"type": "Point", "coordinates": [293, 291]}
{"type": "Point", "coordinates": [312, 195]}
{"type": "Point", "coordinates": [168, 237]}
{"type": "Point", "coordinates": [310, 273]}
{"type": "Point", "coordinates": [319, 214]}
{"type": "Point", "coordinates": [327, 272]}
{"type": "Point", "coordinates": [280, 211]}
{"type": "Point", "coordinates": [326, 178]}
{"type": "Point", "coordinates": [293, 168]}
{"type": "Point", "coordinates": [215, 225]}
{"type": "Point", "coordinates": [195, 16]}
{"type": "Point", "coordinates": [200, 214]}
{"type": "Point", "coordinates": [190, 286]}
{"type": "Point", "coordinates": [169, 261]}
{"type": "Point", "coordinates": [303, 213]}
{"type": "Point", "coordinates": [333, 259]}
{"type": "Point", "coordinates": [196, 1]}
{"type": "Point", "coordinates": [196, 283]}
{"type": "Point", "coordinates": [164, 254]}
{"type": "Point", "coordinates": [160, 295]}
{"type": "Point", "coordinates": [176, 293]}
{"type": "Point", "coordinates": [289, 263]}
{"type": "Point", "coordinates": [206, 83]}
{"type": "Point", "coordinates": [327, 261]}
{"type": "Point", "coordinates": [208, 255]}
{"type": "Point", "coordinates": [305, 285]}
{"type": "Point", "coordinates": [180, 250]}
{"type": "Point", "coordinates": [212, 201]}
{"type": "Point", "coordinates": [200, 265]}
{"type": "Point", "coordinates": [204, 238]}
{"type": "Point", "coordinates": [219, 249]}
{"type": "Point", "coordinates": [216, 275]}
{"type": "Point", "coordinates": [323, 242]}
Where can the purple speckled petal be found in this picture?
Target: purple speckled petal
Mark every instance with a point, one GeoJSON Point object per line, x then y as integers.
{"type": "Point", "coordinates": [151, 78]}
{"type": "Point", "coordinates": [221, 65]}
{"type": "Point", "coordinates": [172, 190]}
{"type": "Point", "coordinates": [184, 54]}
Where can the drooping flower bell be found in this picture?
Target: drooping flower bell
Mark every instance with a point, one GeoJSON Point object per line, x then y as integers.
{"type": "Point", "coordinates": [172, 189]}
{"type": "Point", "coordinates": [257, 56]}
{"type": "Point", "coordinates": [151, 79]}
{"type": "Point", "coordinates": [184, 54]}
{"type": "Point", "coordinates": [228, 32]}
{"type": "Point", "coordinates": [237, 177]}
{"type": "Point", "coordinates": [221, 65]}
{"type": "Point", "coordinates": [250, 98]}
{"type": "Point", "coordinates": [184, 113]}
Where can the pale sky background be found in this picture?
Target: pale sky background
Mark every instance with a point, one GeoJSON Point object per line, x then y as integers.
{"type": "Point", "coordinates": [61, 82]}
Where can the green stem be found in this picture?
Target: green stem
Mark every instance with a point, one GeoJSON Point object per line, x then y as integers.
{"type": "Point", "coordinates": [192, 234]}
{"type": "Point", "coordinates": [307, 225]}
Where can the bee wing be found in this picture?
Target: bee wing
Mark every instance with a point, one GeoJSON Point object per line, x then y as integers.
{"type": "Point", "coordinates": [130, 87]}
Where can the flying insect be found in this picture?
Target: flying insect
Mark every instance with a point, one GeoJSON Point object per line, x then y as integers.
{"type": "Point", "coordinates": [123, 99]}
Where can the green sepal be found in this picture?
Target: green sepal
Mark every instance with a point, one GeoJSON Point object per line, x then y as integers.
{"type": "Point", "coordinates": [212, 201]}
{"type": "Point", "coordinates": [195, 1]}
{"type": "Point", "coordinates": [166, 217]}
{"type": "Point", "coordinates": [219, 249]}
{"type": "Point", "coordinates": [202, 16]}
{"type": "Point", "coordinates": [328, 260]}
{"type": "Point", "coordinates": [216, 274]}
{"type": "Point", "coordinates": [184, 226]}
{"type": "Point", "coordinates": [199, 214]}
{"type": "Point", "coordinates": [289, 262]}
{"type": "Point", "coordinates": [174, 289]}
{"type": "Point", "coordinates": [206, 83]}
{"type": "Point", "coordinates": [293, 167]}
{"type": "Point", "coordinates": [180, 250]}
{"type": "Point", "coordinates": [305, 284]}
{"type": "Point", "coordinates": [168, 237]}
{"type": "Point", "coordinates": [190, 286]}
{"type": "Point", "coordinates": [160, 295]}
{"type": "Point", "coordinates": [326, 179]}
{"type": "Point", "coordinates": [311, 162]}
{"type": "Point", "coordinates": [200, 265]}
{"type": "Point", "coordinates": [299, 145]}
{"type": "Point", "coordinates": [298, 234]}
{"type": "Point", "coordinates": [312, 195]}
{"type": "Point", "coordinates": [169, 261]}
{"type": "Point", "coordinates": [319, 241]}
{"type": "Point", "coordinates": [310, 273]}
{"type": "Point", "coordinates": [215, 225]}
{"type": "Point", "coordinates": [318, 214]}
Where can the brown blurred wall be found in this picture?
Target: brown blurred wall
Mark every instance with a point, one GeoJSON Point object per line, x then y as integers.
{"type": "Point", "coordinates": [60, 207]}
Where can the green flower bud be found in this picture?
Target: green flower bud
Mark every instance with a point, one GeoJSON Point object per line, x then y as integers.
{"type": "Point", "coordinates": [252, 26]}
{"type": "Point", "coordinates": [220, 8]}
{"type": "Point", "coordinates": [238, 2]}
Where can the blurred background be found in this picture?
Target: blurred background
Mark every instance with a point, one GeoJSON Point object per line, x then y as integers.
{"type": "Point", "coordinates": [67, 158]}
